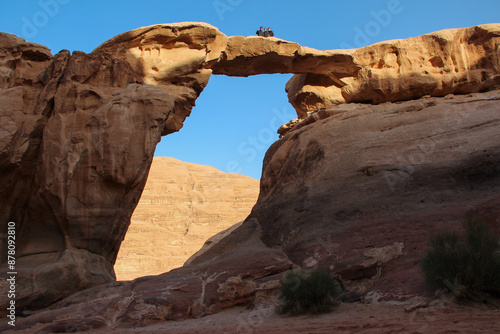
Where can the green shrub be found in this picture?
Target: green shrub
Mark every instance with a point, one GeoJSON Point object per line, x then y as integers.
{"type": "Point", "coordinates": [468, 265]}
{"type": "Point", "coordinates": [313, 292]}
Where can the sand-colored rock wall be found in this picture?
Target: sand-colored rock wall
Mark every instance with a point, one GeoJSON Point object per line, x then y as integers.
{"type": "Point", "coordinates": [182, 205]}
{"type": "Point", "coordinates": [357, 191]}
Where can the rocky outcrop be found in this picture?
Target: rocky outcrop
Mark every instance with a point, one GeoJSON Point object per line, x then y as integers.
{"type": "Point", "coordinates": [453, 61]}
{"type": "Point", "coordinates": [237, 273]}
{"type": "Point", "coordinates": [174, 57]}
{"type": "Point", "coordinates": [358, 189]}
{"type": "Point", "coordinates": [182, 205]}
{"type": "Point", "coordinates": [79, 133]}
{"type": "Point", "coordinates": [78, 136]}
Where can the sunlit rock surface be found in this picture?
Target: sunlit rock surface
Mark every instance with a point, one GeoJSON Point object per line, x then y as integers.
{"type": "Point", "coordinates": [453, 61]}
{"type": "Point", "coordinates": [182, 205]}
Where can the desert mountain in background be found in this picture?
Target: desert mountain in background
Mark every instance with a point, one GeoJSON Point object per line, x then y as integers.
{"type": "Point", "coordinates": [183, 204]}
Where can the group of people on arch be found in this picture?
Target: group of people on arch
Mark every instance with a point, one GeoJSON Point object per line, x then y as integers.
{"type": "Point", "coordinates": [265, 32]}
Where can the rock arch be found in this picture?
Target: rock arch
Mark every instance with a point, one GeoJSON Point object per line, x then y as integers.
{"type": "Point", "coordinates": [79, 130]}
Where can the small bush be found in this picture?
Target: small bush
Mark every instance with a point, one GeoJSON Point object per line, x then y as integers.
{"type": "Point", "coordinates": [468, 265]}
{"type": "Point", "coordinates": [313, 292]}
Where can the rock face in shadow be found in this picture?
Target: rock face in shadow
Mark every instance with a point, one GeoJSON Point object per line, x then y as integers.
{"type": "Point", "coordinates": [358, 189]}
{"type": "Point", "coordinates": [241, 272]}
{"type": "Point", "coordinates": [182, 205]}
{"type": "Point", "coordinates": [78, 133]}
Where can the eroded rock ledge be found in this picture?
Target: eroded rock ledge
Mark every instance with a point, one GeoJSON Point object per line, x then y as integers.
{"type": "Point", "coordinates": [79, 130]}
{"type": "Point", "coordinates": [453, 61]}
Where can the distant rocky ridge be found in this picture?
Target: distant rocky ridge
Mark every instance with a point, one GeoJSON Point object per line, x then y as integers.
{"type": "Point", "coordinates": [182, 205]}
{"type": "Point", "coordinates": [340, 189]}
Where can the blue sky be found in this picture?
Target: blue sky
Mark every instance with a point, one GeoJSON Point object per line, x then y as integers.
{"type": "Point", "coordinates": [235, 119]}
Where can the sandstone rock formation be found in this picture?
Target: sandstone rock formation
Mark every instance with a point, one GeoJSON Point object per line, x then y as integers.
{"type": "Point", "coordinates": [78, 136]}
{"type": "Point", "coordinates": [256, 55]}
{"type": "Point", "coordinates": [241, 273]}
{"type": "Point", "coordinates": [79, 133]}
{"type": "Point", "coordinates": [453, 61]}
{"type": "Point", "coordinates": [357, 191]}
{"type": "Point", "coordinates": [182, 205]}
{"type": "Point", "coordinates": [445, 62]}
{"type": "Point", "coordinates": [175, 57]}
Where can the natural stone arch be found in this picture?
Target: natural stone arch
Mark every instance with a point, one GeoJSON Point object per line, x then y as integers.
{"type": "Point", "coordinates": [82, 128]}
{"type": "Point", "coordinates": [384, 72]}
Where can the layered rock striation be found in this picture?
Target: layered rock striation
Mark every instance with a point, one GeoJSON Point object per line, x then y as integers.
{"type": "Point", "coordinates": [78, 136]}
{"type": "Point", "coordinates": [79, 133]}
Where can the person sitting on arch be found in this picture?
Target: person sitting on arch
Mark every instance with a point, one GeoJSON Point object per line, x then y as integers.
{"type": "Point", "coordinates": [266, 33]}
{"type": "Point", "coordinates": [270, 32]}
{"type": "Point", "coordinates": [260, 32]}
